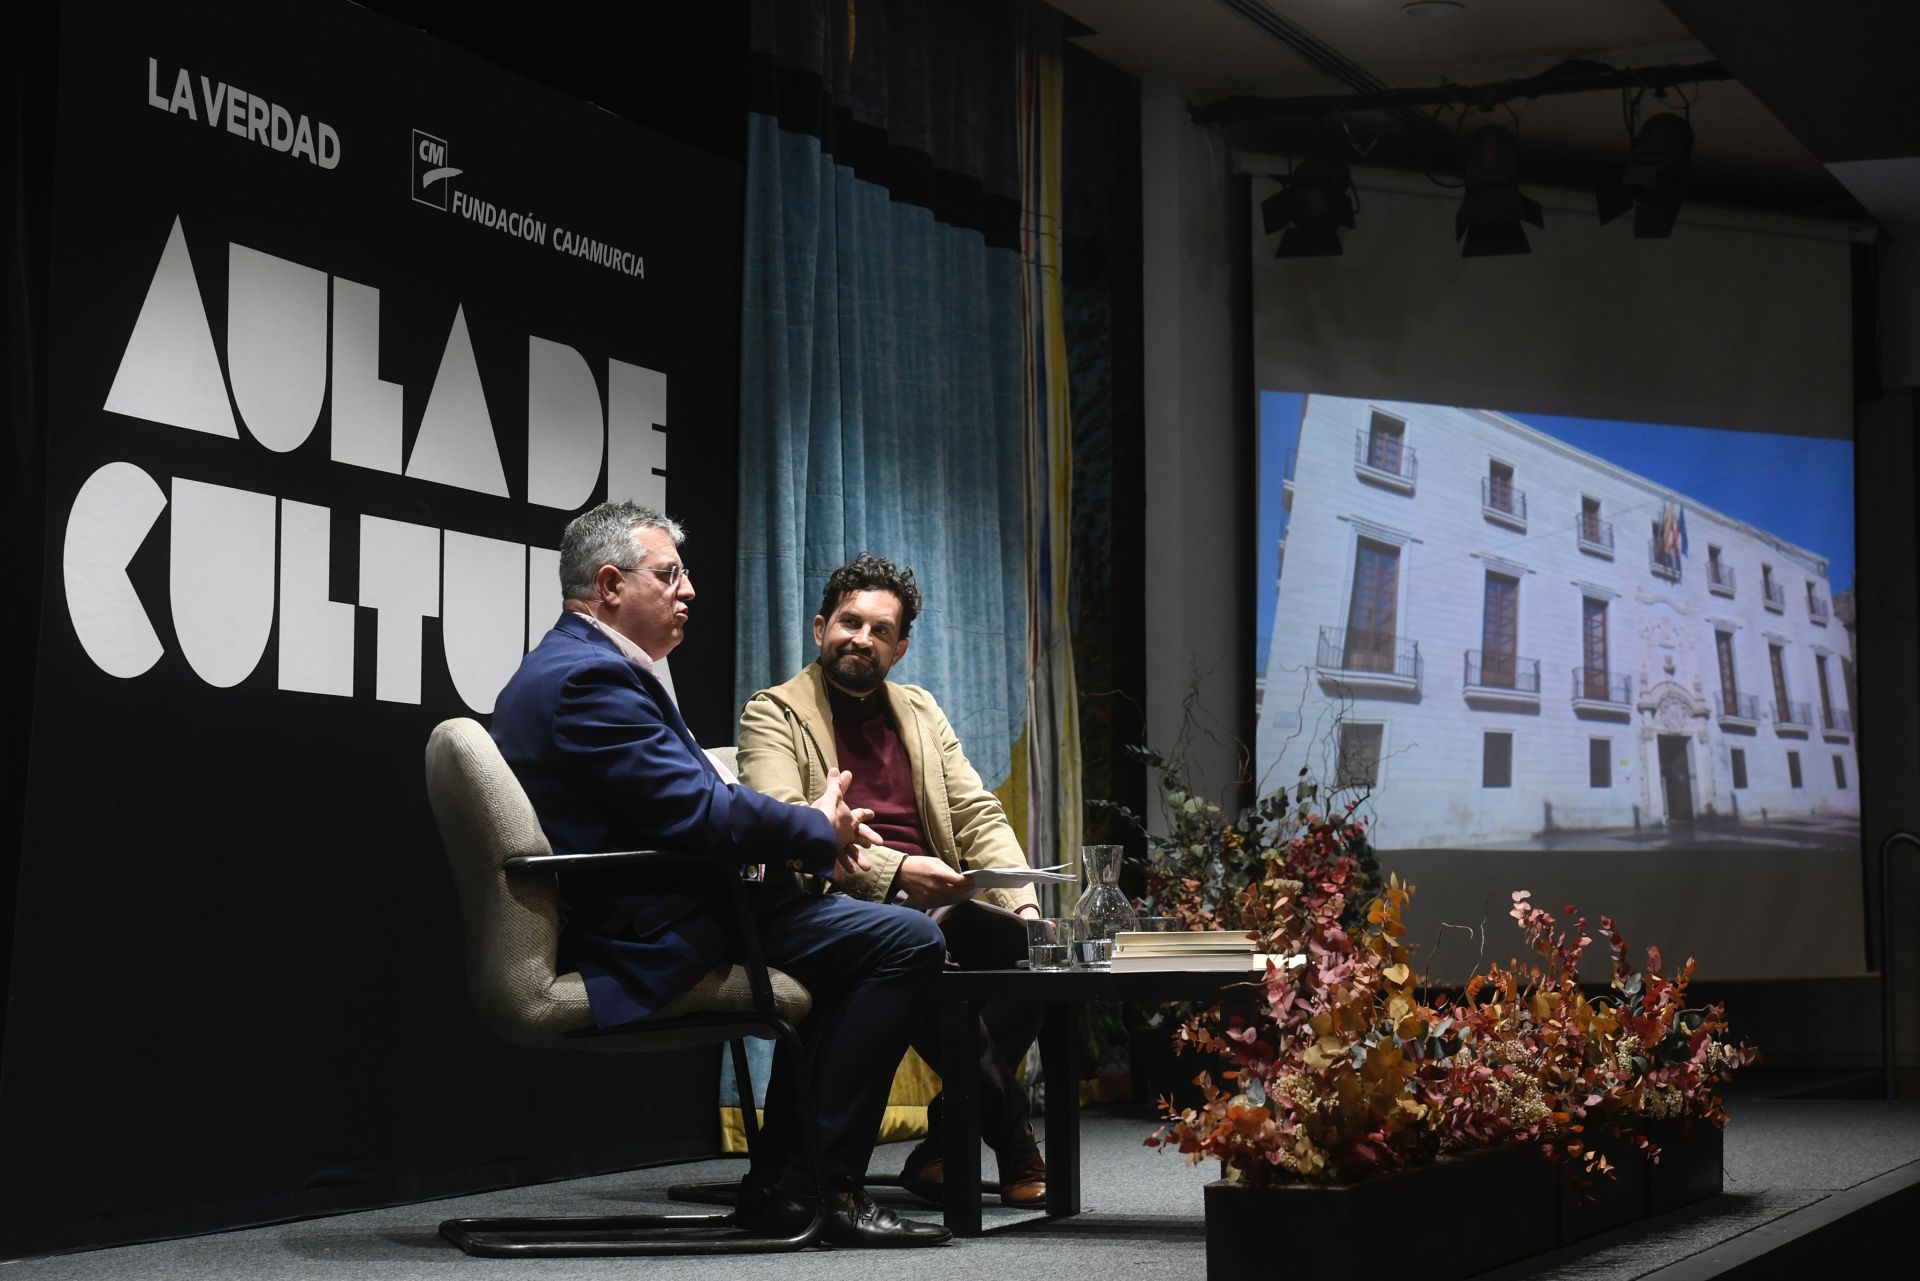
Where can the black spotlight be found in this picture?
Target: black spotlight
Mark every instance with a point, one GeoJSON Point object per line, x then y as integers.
{"type": "Point", "coordinates": [1313, 203]}
{"type": "Point", "coordinates": [1493, 208]}
{"type": "Point", "coordinates": [1654, 179]}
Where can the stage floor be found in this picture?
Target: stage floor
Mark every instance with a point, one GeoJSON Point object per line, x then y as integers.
{"type": "Point", "coordinates": [1785, 1157]}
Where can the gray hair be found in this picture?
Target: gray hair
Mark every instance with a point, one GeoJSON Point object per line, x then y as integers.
{"type": "Point", "coordinates": [605, 536]}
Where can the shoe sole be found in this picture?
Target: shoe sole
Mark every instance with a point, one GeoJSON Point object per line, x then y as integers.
{"type": "Point", "coordinates": [900, 1243]}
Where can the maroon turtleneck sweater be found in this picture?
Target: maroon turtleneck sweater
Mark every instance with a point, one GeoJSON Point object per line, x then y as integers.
{"type": "Point", "coordinates": [868, 743]}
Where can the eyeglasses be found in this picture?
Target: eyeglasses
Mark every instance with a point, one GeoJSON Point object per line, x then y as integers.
{"type": "Point", "coordinates": [672, 573]}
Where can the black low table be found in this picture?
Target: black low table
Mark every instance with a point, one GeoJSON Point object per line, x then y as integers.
{"type": "Point", "coordinates": [961, 994]}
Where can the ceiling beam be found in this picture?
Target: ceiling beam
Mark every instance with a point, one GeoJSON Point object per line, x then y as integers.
{"type": "Point", "coordinates": [1567, 77]}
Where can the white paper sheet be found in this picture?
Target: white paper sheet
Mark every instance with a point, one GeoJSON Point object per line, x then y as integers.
{"type": "Point", "coordinates": [1000, 878]}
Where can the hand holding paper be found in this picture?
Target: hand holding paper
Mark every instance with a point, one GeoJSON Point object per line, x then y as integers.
{"type": "Point", "coordinates": [1002, 878]}
{"type": "Point", "coordinates": [924, 881]}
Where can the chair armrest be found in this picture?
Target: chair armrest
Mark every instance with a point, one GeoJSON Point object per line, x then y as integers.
{"type": "Point", "coordinates": [662, 859]}
{"type": "Point", "coordinates": [663, 869]}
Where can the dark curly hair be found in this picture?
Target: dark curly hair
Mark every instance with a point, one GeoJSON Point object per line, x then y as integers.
{"type": "Point", "coordinates": [867, 572]}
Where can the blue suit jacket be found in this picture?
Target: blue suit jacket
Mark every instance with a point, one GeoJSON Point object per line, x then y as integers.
{"type": "Point", "coordinates": [610, 765]}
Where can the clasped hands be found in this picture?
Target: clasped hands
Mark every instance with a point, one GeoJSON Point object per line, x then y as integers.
{"type": "Point", "coordinates": [850, 830]}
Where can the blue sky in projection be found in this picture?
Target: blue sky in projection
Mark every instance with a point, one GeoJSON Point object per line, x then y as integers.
{"type": "Point", "coordinates": [1797, 487]}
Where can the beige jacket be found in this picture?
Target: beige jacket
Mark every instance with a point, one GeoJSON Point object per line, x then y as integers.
{"type": "Point", "coordinates": [786, 749]}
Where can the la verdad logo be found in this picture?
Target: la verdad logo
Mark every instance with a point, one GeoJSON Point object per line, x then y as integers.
{"type": "Point", "coordinates": [299, 340]}
{"type": "Point", "coordinates": [245, 115]}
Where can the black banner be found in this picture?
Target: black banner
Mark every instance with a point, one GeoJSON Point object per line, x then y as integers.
{"type": "Point", "coordinates": [345, 326]}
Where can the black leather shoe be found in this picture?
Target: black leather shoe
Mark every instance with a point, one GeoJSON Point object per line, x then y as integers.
{"type": "Point", "coordinates": [852, 1219]}
{"type": "Point", "coordinates": [781, 1213]}
{"type": "Point", "coordinates": [750, 1206]}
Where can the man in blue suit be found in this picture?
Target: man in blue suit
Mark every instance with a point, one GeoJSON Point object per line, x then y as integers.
{"type": "Point", "coordinates": [609, 764]}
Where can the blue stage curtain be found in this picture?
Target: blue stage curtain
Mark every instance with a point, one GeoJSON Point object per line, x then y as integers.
{"type": "Point", "coordinates": [881, 374]}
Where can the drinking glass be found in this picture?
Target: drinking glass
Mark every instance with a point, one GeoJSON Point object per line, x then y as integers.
{"type": "Point", "coordinates": [1050, 942]}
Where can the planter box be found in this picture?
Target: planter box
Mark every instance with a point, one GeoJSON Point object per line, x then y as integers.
{"type": "Point", "coordinates": [1691, 1166]}
{"type": "Point", "coordinates": [1598, 1203]}
{"type": "Point", "coordinates": [1690, 1169]}
{"type": "Point", "coordinates": [1255, 1232]}
{"type": "Point", "coordinates": [1318, 1229]}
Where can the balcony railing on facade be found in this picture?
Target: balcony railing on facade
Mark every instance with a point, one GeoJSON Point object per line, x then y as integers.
{"type": "Point", "coordinates": [1500, 501]}
{"type": "Point", "coordinates": [1816, 609]}
{"type": "Point", "coordinates": [1386, 460]}
{"type": "Point", "coordinates": [1720, 578]}
{"type": "Point", "coordinates": [1599, 688]}
{"type": "Point", "coordinates": [1791, 715]}
{"type": "Point", "coordinates": [1505, 677]}
{"type": "Point", "coordinates": [1358, 656]}
{"type": "Point", "coordinates": [1773, 596]}
{"type": "Point", "coordinates": [1836, 720]}
{"type": "Point", "coordinates": [1740, 708]}
{"type": "Point", "coordinates": [1663, 563]}
{"type": "Point", "coordinates": [1593, 534]}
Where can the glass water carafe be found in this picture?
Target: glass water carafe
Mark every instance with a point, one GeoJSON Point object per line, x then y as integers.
{"type": "Point", "coordinates": [1103, 909]}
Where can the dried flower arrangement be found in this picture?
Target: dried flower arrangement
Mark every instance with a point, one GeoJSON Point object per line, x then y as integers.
{"type": "Point", "coordinates": [1291, 853]}
{"type": "Point", "coordinates": [1342, 1069]}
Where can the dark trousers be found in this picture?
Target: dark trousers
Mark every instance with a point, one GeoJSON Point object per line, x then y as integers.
{"type": "Point", "coordinates": [978, 940]}
{"type": "Point", "coordinates": [871, 970]}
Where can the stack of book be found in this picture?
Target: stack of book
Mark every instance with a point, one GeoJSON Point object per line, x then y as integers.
{"type": "Point", "coordinates": [1138, 950]}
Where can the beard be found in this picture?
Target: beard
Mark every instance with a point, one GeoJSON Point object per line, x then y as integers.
{"type": "Point", "coordinates": [856, 673]}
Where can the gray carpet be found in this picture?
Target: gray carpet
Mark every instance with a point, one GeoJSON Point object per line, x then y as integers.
{"type": "Point", "coordinates": [1143, 1219]}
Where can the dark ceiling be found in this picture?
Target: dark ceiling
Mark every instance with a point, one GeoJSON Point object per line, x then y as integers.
{"type": "Point", "coordinates": [1810, 82]}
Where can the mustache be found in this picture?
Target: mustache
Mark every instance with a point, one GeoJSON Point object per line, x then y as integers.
{"type": "Point", "coordinates": [855, 677]}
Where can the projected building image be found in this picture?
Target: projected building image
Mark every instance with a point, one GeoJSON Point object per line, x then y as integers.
{"type": "Point", "coordinates": [1514, 642]}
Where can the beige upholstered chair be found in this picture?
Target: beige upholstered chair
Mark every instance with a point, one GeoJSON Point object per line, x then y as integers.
{"type": "Point", "coordinates": [503, 870]}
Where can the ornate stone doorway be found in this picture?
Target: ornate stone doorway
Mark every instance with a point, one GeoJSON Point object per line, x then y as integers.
{"type": "Point", "coordinates": [1676, 777]}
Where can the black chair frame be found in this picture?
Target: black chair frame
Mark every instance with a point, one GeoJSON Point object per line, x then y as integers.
{"type": "Point", "coordinates": [576, 1236]}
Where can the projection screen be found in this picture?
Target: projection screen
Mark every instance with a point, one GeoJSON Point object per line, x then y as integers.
{"type": "Point", "coordinates": [1555, 571]}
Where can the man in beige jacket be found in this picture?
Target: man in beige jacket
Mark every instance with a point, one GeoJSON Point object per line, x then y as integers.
{"type": "Point", "coordinates": [935, 819]}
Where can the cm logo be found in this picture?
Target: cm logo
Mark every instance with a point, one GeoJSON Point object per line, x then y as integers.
{"type": "Point", "coordinates": [430, 170]}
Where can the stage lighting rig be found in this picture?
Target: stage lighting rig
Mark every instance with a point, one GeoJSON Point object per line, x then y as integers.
{"type": "Point", "coordinates": [1492, 209]}
{"type": "Point", "coordinates": [1653, 182]}
{"type": "Point", "coordinates": [1313, 203]}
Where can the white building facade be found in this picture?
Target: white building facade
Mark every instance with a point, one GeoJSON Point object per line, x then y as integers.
{"type": "Point", "coordinates": [1487, 625]}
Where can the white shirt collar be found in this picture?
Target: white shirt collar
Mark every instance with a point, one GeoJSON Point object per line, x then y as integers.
{"type": "Point", "coordinates": [639, 657]}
